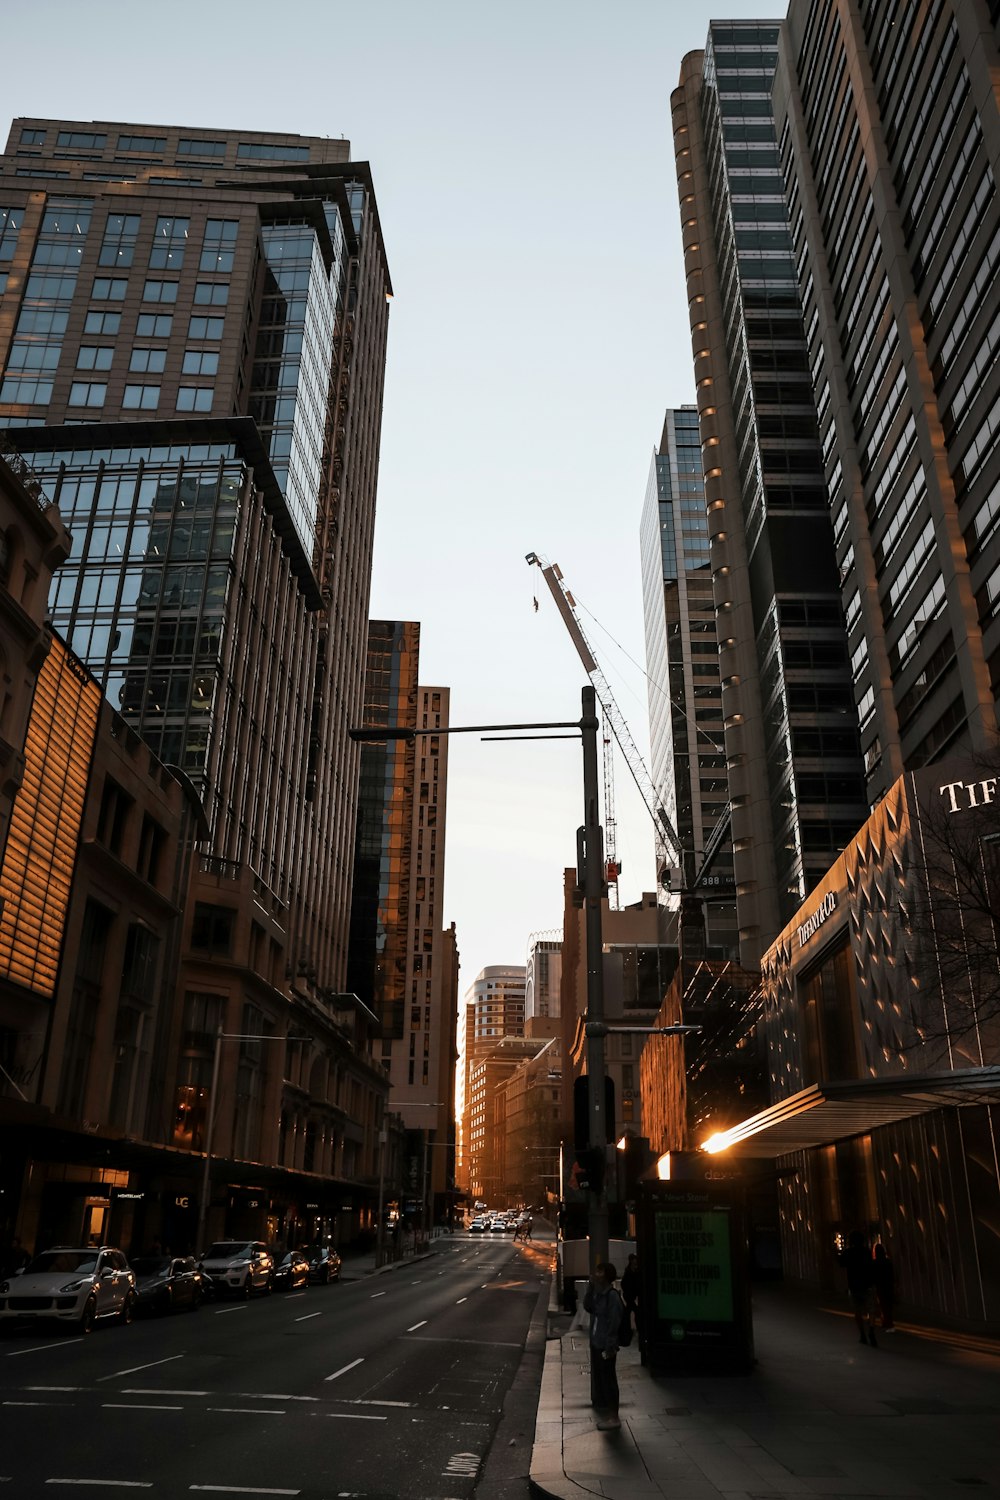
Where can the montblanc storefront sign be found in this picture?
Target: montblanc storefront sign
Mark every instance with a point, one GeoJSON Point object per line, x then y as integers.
{"type": "Point", "coordinates": [824, 910]}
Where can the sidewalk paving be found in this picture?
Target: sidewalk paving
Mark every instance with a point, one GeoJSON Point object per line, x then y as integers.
{"type": "Point", "coordinates": [918, 1418]}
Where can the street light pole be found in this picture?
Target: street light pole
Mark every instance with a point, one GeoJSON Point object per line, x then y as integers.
{"type": "Point", "coordinates": [592, 849]}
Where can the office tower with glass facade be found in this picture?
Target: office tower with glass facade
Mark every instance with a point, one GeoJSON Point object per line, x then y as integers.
{"type": "Point", "coordinates": [889, 135]}
{"type": "Point", "coordinates": [682, 663]}
{"type": "Point", "coordinates": [192, 344]}
{"type": "Point", "coordinates": [791, 736]}
{"type": "Point", "coordinates": [543, 974]}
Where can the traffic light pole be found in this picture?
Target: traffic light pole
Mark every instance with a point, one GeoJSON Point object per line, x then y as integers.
{"type": "Point", "coordinates": [593, 891]}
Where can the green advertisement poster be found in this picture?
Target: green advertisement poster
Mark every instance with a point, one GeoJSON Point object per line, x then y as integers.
{"type": "Point", "coordinates": [693, 1266]}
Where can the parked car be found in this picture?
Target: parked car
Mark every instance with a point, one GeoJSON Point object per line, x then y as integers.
{"type": "Point", "coordinates": [168, 1283]}
{"type": "Point", "coordinates": [238, 1267]}
{"type": "Point", "coordinates": [70, 1284]}
{"type": "Point", "coordinates": [324, 1263]}
{"type": "Point", "coordinates": [291, 1270]}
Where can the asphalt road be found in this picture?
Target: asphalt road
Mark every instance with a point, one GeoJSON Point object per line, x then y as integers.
{"type": "Point", "coordinates": [389, 1387]}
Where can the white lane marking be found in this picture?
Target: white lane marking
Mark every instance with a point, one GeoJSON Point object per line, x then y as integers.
{"type": "Point", "coordinates": [240, 1307]}
{"type": "Point", "coordinates": [35, 1347]}
{"type": "Point", "coordinates": [142, 1390]}
{"type": "Point", "coordinates": [416, 1326]}
{"type": "Point", "coordinates": [121, 1484]}
{"type": "Point", "coordinates": [53, 1387]}
{"type": "Point", "coordinates": [429, 1338]}
{"type": "Point", "coordinates": [417, 1282]}
{"type": "Point", "coordinates": [373, 1402]}
{"type": "Point", "coordinates": [136, 1368]}
{"type": "Point", "coordinates": [306, 1316]}
{"type": "Point", "coordinates": [136, 1406]}
{"type": "Point", "coordinates": [378, 1294]}
{"type": "Point", "coordinates": [270, 1396]}
{"type": "Point", "coordinates": [344, 1369]}
{"type": "Point", "coordinates": [293, 1296]}
{"type": "Point", "coordinates": [250, 1411]}
{"type": "Point", "coordinates": [460, 1301]}
{"type": "Point", "coordinates": [352, 1416]}
{"type": "Point", "coordinates": [239, 1489]}
{"type": "Point", "coordinates": [37, 1403]}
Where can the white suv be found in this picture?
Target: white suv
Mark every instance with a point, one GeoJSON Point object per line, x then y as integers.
{"type": "Point", "coordinates": [70, 1285]}
{"type": "Point", "coordinates": [239, 1267]}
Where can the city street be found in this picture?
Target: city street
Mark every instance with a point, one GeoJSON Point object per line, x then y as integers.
{"type": "Point", "coordinates": [385, 1386]}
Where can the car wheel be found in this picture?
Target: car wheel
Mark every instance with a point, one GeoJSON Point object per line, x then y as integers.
{"type": "Point", "coordinates": [86, 1319]}
{"type": "Point", "coordinates": [128, 1309]}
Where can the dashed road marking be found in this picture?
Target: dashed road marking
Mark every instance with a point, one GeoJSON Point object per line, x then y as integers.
{"type": "Point", "coordinates": [344, 1369]}
{"type": "Point", "coordinates": [136, 1368]}
{"type": "Point", "coordinates": [417, 1325]}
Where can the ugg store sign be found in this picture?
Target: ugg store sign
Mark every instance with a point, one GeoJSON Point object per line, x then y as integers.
{"type": "Point", "coordinates": [823, 912]}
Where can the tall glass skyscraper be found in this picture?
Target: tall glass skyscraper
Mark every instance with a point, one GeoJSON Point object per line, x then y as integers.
{"type": "Point", "coordinates": [788, 711]}
{"type": "Point", "coordinates": [682, 657]}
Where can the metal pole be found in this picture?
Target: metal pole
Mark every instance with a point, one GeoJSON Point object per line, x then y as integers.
{"type": "Point", "coordinates": [206, 1177]}
{"type": "Point", "coordinates": [379, 1227]}
{"type": "Point", "coordinates": [593, 889]}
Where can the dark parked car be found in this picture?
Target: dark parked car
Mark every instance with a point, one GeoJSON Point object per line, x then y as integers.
{"type": "Point", "coordinates": [168, 1283]}
{"type": "Point", "coordinates": [324, 1263]}
{"type": "Point", "coordinates": [290, 1271]}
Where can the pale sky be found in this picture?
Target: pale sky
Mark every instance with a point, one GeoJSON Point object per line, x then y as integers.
{"type": "Point", "coordinates": [523, 166]}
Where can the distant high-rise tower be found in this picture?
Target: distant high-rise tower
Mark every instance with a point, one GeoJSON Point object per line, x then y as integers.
{"type": "Point", "coordinates": [682, 655]}
{"type": "Point", "coordinates": [542, 978]}
{"type": "Point", "coordinates": [790, 728]}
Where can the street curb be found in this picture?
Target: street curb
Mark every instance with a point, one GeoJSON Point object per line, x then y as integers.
{"type": "Point", "coordinates": [547, 1475]}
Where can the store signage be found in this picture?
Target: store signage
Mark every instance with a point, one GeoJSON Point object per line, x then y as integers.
{"type": "Point", "coordinates": [823, 912]}
{"type": "Point", "coordinates": [182, 1201]}
{"type": "Point", "coordinates": [123, 1196]}
{"type": "Point", "coordinates": [962, 795]}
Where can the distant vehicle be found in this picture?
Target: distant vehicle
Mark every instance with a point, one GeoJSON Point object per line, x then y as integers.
{"type": "Point", "coordinates": [479, 1226]}
{"type": "Point", "coordinates": [167, 1283]}
{"type": "Point", "coordinates": [324, 1263]}
{"type": "Point", "coordinates": [292, 1270]}
{"type": "Point", "coordinates": [498, 1226]}
{"type": "Point", "coordinates": [238, 1267]}
{"type": "Point", "coordinates": [70, 1284]}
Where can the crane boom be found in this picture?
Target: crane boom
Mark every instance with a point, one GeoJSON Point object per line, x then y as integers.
{"type": "Point", "coordinates": [566, 606]}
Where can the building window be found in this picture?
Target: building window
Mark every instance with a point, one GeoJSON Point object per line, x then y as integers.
{"type": "Point", "coordinates": [92, 357]}
{"type": "Point", "coordinates": [109, 289]}
{"type": "Point", "coordinates": [211, 293]}
{"type": "Point", "coordinates": [169, 240]}
{"type": "Point", "coordinates": [205, 328]}
{"type": "Point", "coordinates": [102, 322]}
{"type": "Point", "coordinates": [201, 148]}
{"type": "Point", "coordinates": [154, 325]}
{"type": "Point", "coordinates": [27, 392]}
{"type": "Point", "coordinates": [219, 245]}
{"type": "Point", "coordinates": [82, 139]}
{"type": "Point", "coordinates": [11, 220]}
{"type": "Point", "coordinates": [194, 398]}
{"type": "Point", "coordinates": [120, 234]}
{"type": "Point", "coordinates": [87, 393]}
{"type": "Point", "coordinates": [141, 143]}
{"type": "Point", "coordinates": [160, 291]}
{"type": "Point", "coordinates": [32, 137]}
{"type": "Point", "coordinates": [148, 361]}
{"type": "Point", "coordinates": [212, 928]}
{"type": "Point", "coordinates": [200, 362]}
{"type": "Point", "coordinates": [141, 398]}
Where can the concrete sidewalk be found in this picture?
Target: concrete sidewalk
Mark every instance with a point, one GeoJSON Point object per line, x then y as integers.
{"type": "Point", "coordinates": [918, 1418]}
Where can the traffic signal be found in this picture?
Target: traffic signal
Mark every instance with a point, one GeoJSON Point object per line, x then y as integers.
{"type": "Point", "coordinates": [581, 1114]}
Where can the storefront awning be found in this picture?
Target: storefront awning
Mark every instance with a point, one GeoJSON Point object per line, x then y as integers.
{"type": "Point", "coordinates": [829, 1112]}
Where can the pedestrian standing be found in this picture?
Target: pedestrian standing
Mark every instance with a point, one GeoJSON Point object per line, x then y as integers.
{"type": "Point", "coordinates": [884, 1278]}
{"type": "Point", "coordinates": [606, 1311]}
{"type": "Point", "coordinates": [630, 1297]}
{"type": "Point", "coordinates": [857, 1262]}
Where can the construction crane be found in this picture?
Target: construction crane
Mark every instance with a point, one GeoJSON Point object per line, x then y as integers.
{"type": "Point", "coordinates": [670, 851]}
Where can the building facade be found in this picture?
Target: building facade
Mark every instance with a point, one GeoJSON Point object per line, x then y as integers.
{"type": "Point", "coordinates": [889, 137]}
{"type": "Point", "coordinates": [791, 739]}
{"type": "Point", "coordinates": [542, 977]}
{"type": "Point", "coordinates": [403, 963]}
{"type": "Point", "coordinates": [682, 656]}
{"type": "Point", "coordinates": [192, 345]}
